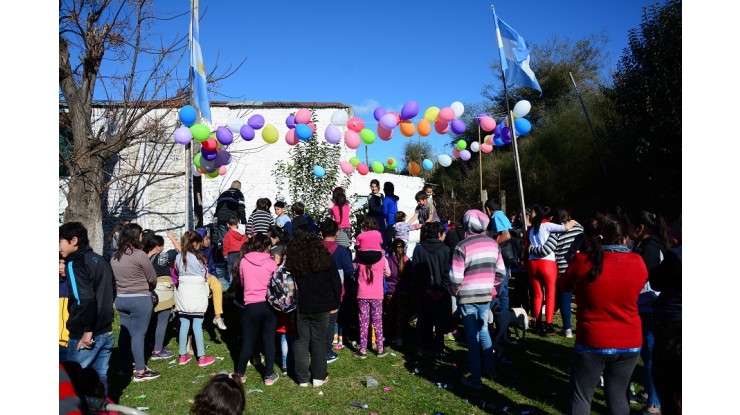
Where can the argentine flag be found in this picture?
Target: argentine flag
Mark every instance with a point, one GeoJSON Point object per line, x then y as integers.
{"type": "Point", "coordinates": [198, 68]}
{"type": "Point", "coordinates": [514, 53]}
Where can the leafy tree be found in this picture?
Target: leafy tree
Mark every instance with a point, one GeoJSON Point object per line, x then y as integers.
{"type": "Point", "coordinates": [417, 152]}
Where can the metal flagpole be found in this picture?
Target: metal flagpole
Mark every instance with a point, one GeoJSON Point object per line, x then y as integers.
{"type": "Point", "coordinates": [511, 118]}
{"type": "Point", "coordinates": [480, 169]}
{"type": "Point", "coordinates": [588, 119]}
{"type": "Point", "coordinates": [189, 147]}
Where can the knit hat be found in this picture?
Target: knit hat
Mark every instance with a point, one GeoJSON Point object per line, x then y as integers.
{"type": "Point", "coordinates": [475, 221]}
{"type": "Point", "coordinates": [202, 232]}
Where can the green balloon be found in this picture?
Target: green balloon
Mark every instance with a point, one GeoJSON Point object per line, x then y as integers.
{"type": "Point", "coordinates": [212, 174]}
{"type": "Point", "coordinates": [201, 132]}
{"type": "Point", "coordinates": [354, 161]}
{"type": "Point", "coordinates": [391, 163]}
{"type": "Point", "coordinates": [461, 145]}
{"type": "Point", "coordinates": [196, 160]}
{"type": "Point", "coordinates": [367, 136]}
{"type": "Point", "coordinates": [378, 167]}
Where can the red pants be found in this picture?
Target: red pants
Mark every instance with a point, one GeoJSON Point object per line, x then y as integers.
{"type": "Point", "coordinates": [543, 273]}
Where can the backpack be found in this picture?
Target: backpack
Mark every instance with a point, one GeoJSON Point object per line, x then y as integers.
{"type": "Point", "coordinates": [281, 290]}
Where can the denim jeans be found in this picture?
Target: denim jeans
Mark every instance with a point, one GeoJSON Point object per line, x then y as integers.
{"type": "Point", "coordinates": [502, 294]}
{"type": "Point", "coordinates": [649, 330]}
{"type": "Point", "coordinates": [585, 370]}
{"type": "Point", "coordinates": [200, 349]}
{"type": "Point", "coordinates": [475, 321]}
{"type": "Point", "coordinates": [331, 330]}
{"type": "Point", "coordinates": [135, 313]}
{"type": "Point", "coordinates": [287, 345]}
{"type": "Point", "coordinates": [161, 319]}
{"type": "Point", "coordinates": [97, 357]}
{"type": "Point", "coordinates": [311, 331]}
{"type": "Point", "coordinates": [566, 298]}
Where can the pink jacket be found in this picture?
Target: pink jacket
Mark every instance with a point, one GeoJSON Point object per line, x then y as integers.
{"type": "Point", "coordinates": [255, 270]}
{"type": "Point", "coordinates": [373, 291]}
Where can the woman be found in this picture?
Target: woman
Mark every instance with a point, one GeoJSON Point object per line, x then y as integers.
{"type": "Point", "coordinates": [607, 279]}
{"type": "Point", "coordinates": [651, 242]}
{"type": "Point", "coordinates": [375, 207]}
{"type": "Point", "coordinates": [543, 270]}
{"type": "Point", "coordinates": [254, 268]}
{"type": "Point", "coordinates": [135, 281]}
{"type": "Point", "coordinates": [319, 289]}
{"type": "Point", "coordinates": [390, 208]}
{"type": "Point", "coordinates": [278, 241]}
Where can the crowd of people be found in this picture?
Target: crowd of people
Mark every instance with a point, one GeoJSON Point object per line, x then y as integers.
{"type": "Point", "coordinates": [363, 290]}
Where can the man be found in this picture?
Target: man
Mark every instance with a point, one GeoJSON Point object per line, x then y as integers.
{"type": "Point", "coordinates": [92, 292]}
{"type": "Point", "coordinates": [229, 203]}
{"type": "Point", "coordinates": [476, 262]}
{"type": "Point", "coordinates": [500, 227]}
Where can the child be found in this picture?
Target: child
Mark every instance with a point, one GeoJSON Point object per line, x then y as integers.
{"type": "Point", "coordinates": [213, 282]}
{"type": "Point", "coordinates": [343, 260]}
{"type": "Point", "coordinates": [300, 217]}
{"type": "Point", "coordinates": [403, 228]}
{"type": "Point", "coordinates": [153, 245]}
{"type": "Point", "coordinates": [429, 191]}
{"type": "Point", "coordinates": [282, 220]}
{"type": "Point", "coordinates": [223, 395]}
{"type": "Point", "coordinates": [260, 219]}
{"type": "Point", "coordinates": [233, 242]}
{"type": "Point", "coordinates": [395, 299]}
{"type": "Point", "coordinates": [192, 296]}
{"type": "Point", "coordinates": [63, 313]}
{"type": "Point", "coordinates": [373, 268]}
{"type": "Point", "coordinates": [422, 212]}
{"type": "Point", "coordinates": [340, 212]}
{"type": "Point", "coordinates": [286, 334]}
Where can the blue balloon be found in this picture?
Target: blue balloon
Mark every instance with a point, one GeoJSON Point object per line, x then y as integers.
{"type": "Point", "coordinates": [497, 141]}
{"type": "Point", "coordinates": [427, 164]}
{"type": "Point", "coordinates": [303, 132]}
{"type": "Point", "coordinates": [318, 171]}
{"type": "Point", "coordinates": [522, 126]}
{"type": "Point", "coordinates": [188, 114]}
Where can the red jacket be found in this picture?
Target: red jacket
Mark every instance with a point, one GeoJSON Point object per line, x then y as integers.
{"type": "Point", "coordinates": [606, 316]}
{"type": "Point", "coordinates": [233, 242]}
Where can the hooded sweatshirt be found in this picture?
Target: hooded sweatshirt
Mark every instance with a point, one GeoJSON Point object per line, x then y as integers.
{"type": "Point", "coordinates": [255, 270]}
{"type": "Point", "coordinates": [91, 293]}
{"type": "Point", "coordinates": [233, 242]}
{"type": "Point", "coordinates": [430, 266]}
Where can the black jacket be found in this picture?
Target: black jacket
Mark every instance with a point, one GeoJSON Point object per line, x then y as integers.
{"type": "Point", "coordinates": [430, 266]}
{"type": "Point", "coordinates": [666, 278]}
{"type": "Point", "coordinates": [319, 292]}
{"type": "Point", "coordinates": [231, 202]}
{"type": "Point", "coordinates": [92, 291]}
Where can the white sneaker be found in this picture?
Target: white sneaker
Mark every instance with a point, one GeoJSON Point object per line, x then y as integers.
{"type": "Point", "coordinates": [219, 322]}
{"type": "Point", "coordinates": [568, 333]}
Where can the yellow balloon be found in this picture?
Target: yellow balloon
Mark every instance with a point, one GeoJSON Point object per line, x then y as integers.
{"type": "Point", "coordinates": [431, 114]}
{"type": "Point", "coordinates": [270, 134]}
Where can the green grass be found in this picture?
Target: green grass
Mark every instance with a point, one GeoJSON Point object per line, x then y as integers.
{"type": "Point", "coordinates": [535, 381]}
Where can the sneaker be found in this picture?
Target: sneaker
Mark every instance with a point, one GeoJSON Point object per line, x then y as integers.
{"type": "Point", "coordinates": [162, 354]}
{"type": "Point", "coordinates": [399, 342]}
{"type": "Point", "coordinates": [320, 382]}
{"type": "Point", "coordinates": [449, 336]}
{"type": "Point", "coordinates": [568, 333]}
{"type": "Point", "coordinates": [360, 354]}
{"type": "Point", "coordinates": [383, 353]}
{"type": "Point", "coordinates": [269, 380]}
{"type": "Point", "coordinates": [204, 361]}
{"type": "Point", "coordinates": [303, 385]}
{"type": "Point", "coordinates": [184, 359]}
{"type": "Point", "coordinates": [469, 382]}
{"type": "Point", "coordinates": [338, 346]}
{"type": "Point", "coordinates": [331, 357]}
{"type": "Point", "coordinates": [243, 379]}
{"type": "Point", "coordinates": [549, 330]}
{"type": "Point", "coordinates": [285, 371]}
{"type": "Point", "coordinates": [335, 340]}
{"type": "Point", "coordinates": [147, 374]}
{"type": "Point", "coordinates": [219, 322]}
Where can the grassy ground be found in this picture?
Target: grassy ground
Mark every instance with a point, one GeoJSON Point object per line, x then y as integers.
{"type": "Point", "coordinates": [534, 382]}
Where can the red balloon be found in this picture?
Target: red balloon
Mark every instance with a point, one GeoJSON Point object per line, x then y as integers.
{"type": "Point", "coordinates": [441, 127]}
{"type": "Point", "coordinates": [210, 144]}
{"type": "Point", "coordinates": [355, 124]}
{"type": "Point", "coordinates": [362, 169]}
{"type": "Point", "coordinates": [384, 133]}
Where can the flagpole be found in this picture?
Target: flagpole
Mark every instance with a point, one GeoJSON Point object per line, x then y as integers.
{"type": "Point", "coordinates": [189, 147]}
{"type": "Point", "coordinates": [510, 115]}
{"type": "Point", "coordinates": [590, 127]}
{"type": "Point", "coordinates": [480, 169]}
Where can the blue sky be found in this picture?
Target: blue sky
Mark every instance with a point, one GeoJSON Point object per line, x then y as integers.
{"type": "Point", "coordinates": [385, 53]}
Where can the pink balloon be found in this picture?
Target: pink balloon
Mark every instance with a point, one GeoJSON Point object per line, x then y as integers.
{"type": "Point", "coordinates": [346, 167]}
{"type": "Point", "coordinates": [222, 170]}
{"type": "Point", "coordinates": [351, 139]}
{"type": "Point", "coordinates": [312, 127]}
{"type": "Point", "coordinates": [486, 148]}
{"type": "Point", "coordinates": [487, 123]}
{"type": "Point", "coordinates": [355, 124]}
{"type": "Point", "coordinates": [446, 114]}
{"type": "Point", "coordinates": [384, 133]}
{"type": "Point", "coordinates": [290, 137]}
{"type": "Point", "coordinates": [441, 127]}
{"type": "Point", "coordinates": [455, 153]}
{"type": "Point", "coordinates": [362, 169]}
{"type": "Point", "coordinates": [397, 115]}
{"type": "Point", "coordinates": [303, 116]}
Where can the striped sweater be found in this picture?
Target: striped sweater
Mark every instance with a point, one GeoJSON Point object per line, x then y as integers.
{"type": "Point", "coordinates": [475, 263]}
{"type": "Point", "coordinates": [563, 244]}
{"type": "Point", "coordinates": [259, 222]}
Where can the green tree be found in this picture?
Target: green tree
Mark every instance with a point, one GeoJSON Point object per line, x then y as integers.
{"type": "Point", "coordinates": [646, 117]}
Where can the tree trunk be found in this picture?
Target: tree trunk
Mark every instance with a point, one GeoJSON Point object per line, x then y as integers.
{"type": "Point", "coordinates": [84, 200]}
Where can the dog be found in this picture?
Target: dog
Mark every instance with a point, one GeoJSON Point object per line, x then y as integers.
{"type": "Point", "coordinates": [503, 320]}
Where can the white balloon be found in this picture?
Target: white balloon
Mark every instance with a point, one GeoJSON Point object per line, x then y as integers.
{"type": "Point", "coordinates": [444, 160]}
{"type": "Point", "coordinates": [474, 146]}
{"type": "Point", "coordinates": [522, 108]}
{"type": "Point", "coordinates": [235, 125]}
{"type": "Point", "coordinates": [458, 108]}
{"type": "Point", "coordinates": [339, 118]}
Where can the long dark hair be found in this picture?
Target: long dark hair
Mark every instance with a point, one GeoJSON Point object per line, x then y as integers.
{"type": "Point", "coordinates": [654, 225]}
{"type": "Point", "coordinates": [399, 250]}
{"type": "Point", "coordinates": [340, 200]}
{"type": "Point", "coordinates": [151, 241]}
{"type": "Point", "coordinates": [128, 240]}
{"type": "Point", "coordinates": [189, 238]}
{"type": "Point", "coordinates": [305, 253]}
{"type": "Point", "coordinates": [541, 213]}
{"type": "Point", "coordinates": [603, 230]}
{"type": "Point", "coordinates": [222, 395]}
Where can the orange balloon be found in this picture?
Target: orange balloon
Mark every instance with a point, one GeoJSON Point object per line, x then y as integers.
{"type": "Point", "coordinates": [424, 128]}
{"type": "Point", "coordinates": [414, 168]}
{"type": "Point", "coordinates": [407, 128]}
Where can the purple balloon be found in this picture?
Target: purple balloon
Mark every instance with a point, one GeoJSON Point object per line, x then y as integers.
{"type": "Point", "coordinates": [290, 121]}
{"type": "Point", "coordinates": [332, 134]}
{"type": "Point", "coordinates": [223, 157]}
{"type": "Point", "coordinates": [388, 121]}
{"type": "Point", "coordinates": [457, 126]}
{"type": "Point", "coordinates": [183, 135]}
{"type": "Point", "coordinates": [409, 110]}
{"type": "Point", "coordinates": [379, 112]}
{"type": "Point", "coordinates": [481, 115]}
{"type": "Point", "coordinates": [208, 155]}
{"type": "Point", "coordinates": [465, 155]}
{"type": "Point", "coordinates": [497, 130]}
{"type": "Point", "coordinates": [506, 135]}
{"type": "Point", "coordinates": [247, 132]}
{"type": "Point", "coordinates": [224, 135]}
{"type": "Point", "coordinates": [256, 121]}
